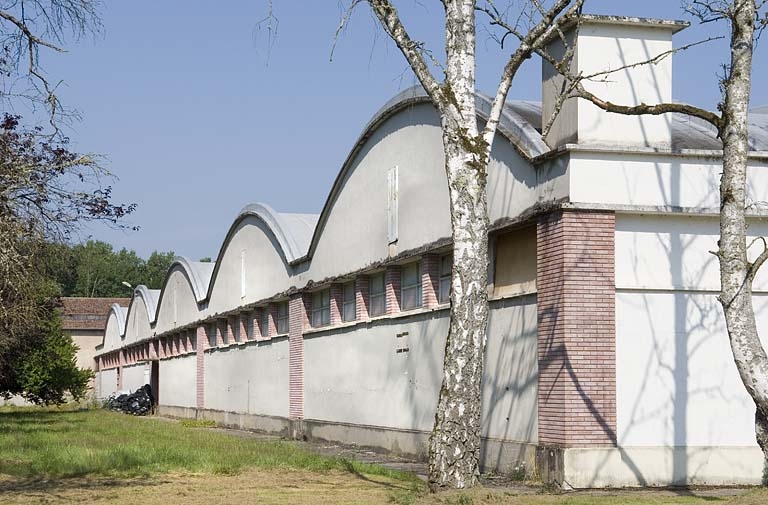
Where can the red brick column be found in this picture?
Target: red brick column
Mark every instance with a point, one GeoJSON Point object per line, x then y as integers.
{"type": "Point", "coordinates": [242, 329]}
{"type": "Point", "coordinates": [297, 321]}
{"type": "Point", "coordinates": [430, 280]}
{"type": "Point", "coordinates": [361, 297]}
{"type": "Point", "coordinates": [576, 329]}
{"type": "Point", "coordinates": [392, 289]}
{"type": "Point", "coordinates": [257, 324]}
{"type": "Point", "coordinates": [202, 345]}
{"type": "Point", "coordinates": [121, 362]}
{"type": "Point", "coordinates": [337, 302]}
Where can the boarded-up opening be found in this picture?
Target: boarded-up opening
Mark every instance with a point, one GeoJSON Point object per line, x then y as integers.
{"type": "Point", "coordinates": [515, 262]}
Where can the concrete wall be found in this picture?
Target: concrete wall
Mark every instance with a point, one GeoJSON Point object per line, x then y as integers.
{"type": "Point", "coordinates": [676, 383]}
{"type": "Point", "coordinates": [135, 376]}
{"type": "Point", "coordinates": [265, 269]}
{"type": "Point", "coordinates": [86, 341]}
{"type": "Point", "coordinates": [112, 338]}
{"type": "Point", "coordinates": [510, 376]}
{"type": "Point", "coordinates": [249, 378]}
{"type": "Point", "coordinates": [137, 324]}
{"type": "Point", "coordinates": [106, 383]}
{"type": "Point", "coordinates": [177, 304]}
{"type": "Point", "coordinates": [357, 376]}
{"type": "Point", "coordinates": [177, 381]}
{"type": "Point", "coordinates": [655, 179]}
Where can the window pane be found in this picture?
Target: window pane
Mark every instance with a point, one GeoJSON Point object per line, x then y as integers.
{"type": "Point", "coordinates": [378, 306]}
{"type": "Point", "coordinates": [349, 292]}
{"type": "Point", "coordinates": [410, 298]}
{"type": "Point", "coordinates": [377, 284]}
{"type": "Point", "coordinates": [349, 311]}
{"type": "Point", "coordinates": [410, 275]}
{"type": "Point", "coordinates": [265, 322]}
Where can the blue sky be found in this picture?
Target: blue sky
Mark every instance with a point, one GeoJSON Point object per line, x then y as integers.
{"type": "Point", "coordinates": [197, 117]}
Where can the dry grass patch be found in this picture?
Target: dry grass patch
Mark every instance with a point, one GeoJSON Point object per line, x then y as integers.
{"type": "Point", "coordinates": [250, 486]}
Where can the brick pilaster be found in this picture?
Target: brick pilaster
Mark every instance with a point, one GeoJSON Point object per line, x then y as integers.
{"type": "Point", "coordinates": [576, 329]}
{"type": "Point", "coordinates": [257, 314]}
{"type": "Point", "coordinates": [202, 345]}
{"type": "Point", "coordinates": [430, 280]}
{"type": "Point", "coordinates": [337, 302]}
{"type": "Point", "coordinates": [392, 289]}
{"type": "Point", "coordinates": [362, 297]}
{"type": "Point", "coordinates": [297, 321]}
{"type": "Point", "coordinates": [242, 327]}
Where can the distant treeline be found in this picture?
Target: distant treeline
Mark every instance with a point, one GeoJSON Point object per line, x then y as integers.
{"type": "Point", "coordinates": [95, 269]}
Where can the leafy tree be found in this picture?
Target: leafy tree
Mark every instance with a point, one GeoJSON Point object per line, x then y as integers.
{"type": "Point", "coordinates": [46, 189]}
{"type": "Point", "coordinates": [48, 372]}
{"type": "Point", "coordinates": [156, 268]}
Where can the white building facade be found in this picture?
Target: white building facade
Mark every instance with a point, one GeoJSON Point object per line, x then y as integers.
{"type": "Point", "coordinates": [607, 362]}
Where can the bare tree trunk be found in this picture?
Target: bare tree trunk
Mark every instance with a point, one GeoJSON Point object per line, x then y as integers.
{"type": "Point", "coordinates": [736, 272]}
{"type": "Point", "coordinates": [454, 446]}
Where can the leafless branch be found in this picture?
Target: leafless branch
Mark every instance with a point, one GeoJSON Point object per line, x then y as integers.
{"type": "Point", "coordinates": [551, 23]}
{"type": "Point", "coordinates": [755, 265]}
{"type": "Point", "coordinates": [412, 50]}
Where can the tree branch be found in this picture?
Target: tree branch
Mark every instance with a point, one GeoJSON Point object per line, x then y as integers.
{"type": "Point", "coordinates": [532, 42]}
{"type": "Point", "coordinates": [32, 38]}
{"type": "Point", "coordinates": [412, 50]}
{"type": "Point", "coordinates": [657, 109]}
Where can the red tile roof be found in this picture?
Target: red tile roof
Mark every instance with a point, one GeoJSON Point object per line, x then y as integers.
{"type": "Point", "coordinates": [88, 313]}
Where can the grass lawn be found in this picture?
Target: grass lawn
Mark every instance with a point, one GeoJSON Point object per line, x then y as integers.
{"type": "Point", "coordinates": [96, 456]}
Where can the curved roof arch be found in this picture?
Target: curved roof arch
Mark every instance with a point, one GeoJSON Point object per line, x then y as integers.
{"type": "Point", "coordinates": [292, 232]}
{"type": "Point", "coordinates": [515, 124]}
{"type": "Point", "coordinates": [198, 275]}
{"type": "Point", "coordinates": [120, 314]}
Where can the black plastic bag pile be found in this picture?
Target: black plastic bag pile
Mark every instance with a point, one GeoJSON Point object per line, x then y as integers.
{"type": "Point", "coordinates": [139, 403]}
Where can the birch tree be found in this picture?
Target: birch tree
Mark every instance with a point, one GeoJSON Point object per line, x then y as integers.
{"type": "Point", "coordinates": [454, 445]}
{"type": "Point", "coordinates": [746, 19]}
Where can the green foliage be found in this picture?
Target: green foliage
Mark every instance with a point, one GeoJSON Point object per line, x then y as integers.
{"type": "Point", "coordinates": [49, 371]}
{"type": "Point", "coordinates": [95, 269]}
{"type": "Point", "coordinates": [42, 366]}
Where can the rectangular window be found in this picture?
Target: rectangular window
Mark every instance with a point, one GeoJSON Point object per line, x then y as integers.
{"type": "Point", "coordinates": [410, 286]}
{"type": "Point", "coordinates": [348, 302]}
{"type": "Point", "coordinates": [282, 318]}
{"type": "Point", "coordinates": [378, 297]}
{"type": "Point", "coordinates": [264, 322]}
{"type": "Point", "coordinates": [321, 308]}
{"type": "Point", "coordinates": [444, 290]}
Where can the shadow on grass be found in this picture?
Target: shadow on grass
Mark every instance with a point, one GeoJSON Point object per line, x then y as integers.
{"type": "Point", "coordinates": [53, 486]}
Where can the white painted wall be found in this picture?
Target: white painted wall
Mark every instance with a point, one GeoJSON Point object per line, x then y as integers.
{"type": "Point", "coordinates": [177, 304]}
{"type": "Point", "coordinates": [358, 377]}
{"type": "Point", "coordinates": [250, 378]}
{"type": "Point", "coordinates": [137, 321]}
{"type": "Point", "coordinates": [655, 180]}
{"type": "Point", "coordinates": [676, 381]}
{"type": "Point", "coordinates": [177, 378]}
{"type": "Point", "coordinates": [106, 383]}
{"type": "Point", "coordinates": [135, 376]}
{"type": "Point", "coordinates": [619, 46]}
{"type": "Point", "coordinates": [112, 337]}
{"type": "Point", "coordinates": [410, 140]}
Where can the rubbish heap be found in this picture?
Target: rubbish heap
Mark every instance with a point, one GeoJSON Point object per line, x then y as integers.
{"type": "Point", "coordinates": [138, 403]}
